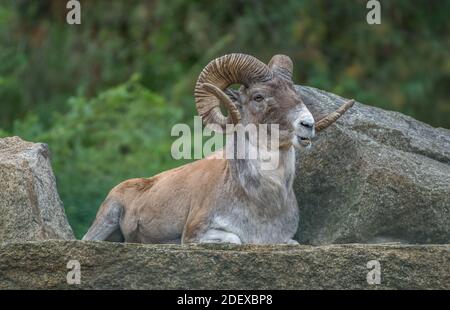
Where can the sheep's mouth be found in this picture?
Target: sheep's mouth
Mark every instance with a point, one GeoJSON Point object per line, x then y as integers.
{"type": "Point", "coordinates": [304, 141]}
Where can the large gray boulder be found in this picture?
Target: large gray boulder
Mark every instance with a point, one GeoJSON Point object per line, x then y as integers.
{"type": "Point", "coordinates": [30, 207]}
{"type": "Point", "coordinates": [373, 176]}
{"type": "Point", "coordinates": [107, 265]}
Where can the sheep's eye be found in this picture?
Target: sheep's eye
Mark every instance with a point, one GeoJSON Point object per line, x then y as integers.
{"type": "Point", "coordinates": [258, 97]}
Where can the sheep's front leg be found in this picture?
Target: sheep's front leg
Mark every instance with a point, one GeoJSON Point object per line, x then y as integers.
{"type": "Point", "coordinates": [220, 236]}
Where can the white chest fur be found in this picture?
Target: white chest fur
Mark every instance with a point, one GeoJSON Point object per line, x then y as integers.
{"type": "Point", "coordinates": [268, 211]}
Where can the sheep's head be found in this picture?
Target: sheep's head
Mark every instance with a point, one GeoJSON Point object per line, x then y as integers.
{"type": "Point", "coordinates": [267, 96]}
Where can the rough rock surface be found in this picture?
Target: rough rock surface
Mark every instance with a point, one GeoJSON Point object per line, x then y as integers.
{"type": "Point", "coordinates": [30, 207]}
{"type": "Point", "coordinates": [106, 265]}
{"type": "Point", "coordinates": [374, 176]}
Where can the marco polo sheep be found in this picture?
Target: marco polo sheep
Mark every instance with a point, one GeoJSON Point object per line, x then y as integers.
{"type": "Point", "coordinates": [220, 199]}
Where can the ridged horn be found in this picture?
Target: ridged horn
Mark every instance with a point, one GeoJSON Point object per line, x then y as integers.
{"type": "Point", "coordinates": [333, 116]}
{"type": "Point", "coordinates": [220, 74]}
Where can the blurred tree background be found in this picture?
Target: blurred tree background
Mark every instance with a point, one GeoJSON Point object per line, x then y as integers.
{"type": "Point", "coordinates": [105, 94]}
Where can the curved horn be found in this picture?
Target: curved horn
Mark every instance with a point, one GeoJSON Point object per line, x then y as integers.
{"type": "Point", "coordinates": [283, 65]}
{"type": "Point", "coordinates": [217, 76]}
{"type": "Point", "coordinates": [333, 116]}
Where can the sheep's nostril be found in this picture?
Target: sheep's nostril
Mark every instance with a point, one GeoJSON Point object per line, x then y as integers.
{"type": "Point", "coordinates": [306, 124]}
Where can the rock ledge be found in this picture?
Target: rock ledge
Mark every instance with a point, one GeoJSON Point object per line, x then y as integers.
{"type": "Point", "coordinates": [106, 265]}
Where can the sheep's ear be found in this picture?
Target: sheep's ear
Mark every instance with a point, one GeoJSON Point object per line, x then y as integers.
{"type": "Point", "coordinates": [282, 65]}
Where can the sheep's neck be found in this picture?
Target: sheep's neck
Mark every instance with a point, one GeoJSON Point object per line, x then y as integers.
{"type": "Point", "coordinates": [266, 186]}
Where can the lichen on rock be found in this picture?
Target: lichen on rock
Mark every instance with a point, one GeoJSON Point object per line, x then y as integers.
{"type": "Point", "coordinates": [30, 207]}
{"type": "Point", "coordinates": [108, 265]}
{"type": "Point", "coordinates": [374, 176]}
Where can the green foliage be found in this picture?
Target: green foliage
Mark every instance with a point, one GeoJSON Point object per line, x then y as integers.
{"type": "Point", "coordinates": [122, 133]}
{"type": "Point", "coordinates": [402, 64]}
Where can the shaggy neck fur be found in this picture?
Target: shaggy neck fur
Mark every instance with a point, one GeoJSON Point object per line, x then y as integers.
{"type": "Point", "coordinates": [267, 189]}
